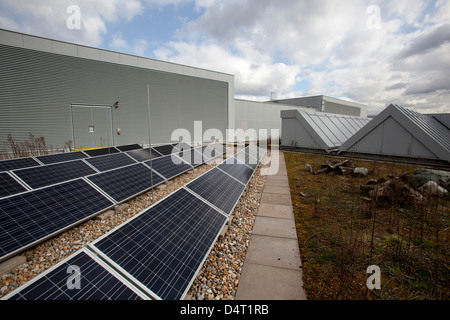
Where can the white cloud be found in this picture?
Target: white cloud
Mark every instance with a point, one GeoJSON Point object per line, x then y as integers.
{"type": "Point", "coordinates": [270, 44]}
{"type": "Point", "coordinates": [48, 17]}
{"type": "Point", "coordinates": [274, 45]}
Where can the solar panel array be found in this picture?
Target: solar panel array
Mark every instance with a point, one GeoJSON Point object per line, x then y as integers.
{"type": "Point", "coordinates": [31, 217]}
{"type": "Point", "coordinates": [96, 282]}
{"type": "Point", "coordinates": [161, 249]}
{"type": "Point", "coordinates": [32, 195]}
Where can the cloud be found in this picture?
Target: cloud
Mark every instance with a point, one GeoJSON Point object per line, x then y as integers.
{"type": "Point", "coordinates": [255, 72]}
{"type": "Point", "coordinates": [48, 18]}
{"type": "Point", "coordinates": [292, 47]}
{"type": "Point", "coordinates": [428, 41]}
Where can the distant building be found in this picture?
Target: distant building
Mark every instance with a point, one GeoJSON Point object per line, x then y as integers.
{"type": "Point", "coordinates": [328, 105]}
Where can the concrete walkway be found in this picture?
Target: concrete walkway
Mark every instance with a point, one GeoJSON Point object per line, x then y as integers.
{"type": "Point", "coordinates": [272, 267]}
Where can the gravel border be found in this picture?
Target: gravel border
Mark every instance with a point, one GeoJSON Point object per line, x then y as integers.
{"type": "Point", "coordinates": [217, 279]}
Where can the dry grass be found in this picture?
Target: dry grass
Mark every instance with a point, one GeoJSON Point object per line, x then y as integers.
{"type": "Point", "coordinates": [340, 235]}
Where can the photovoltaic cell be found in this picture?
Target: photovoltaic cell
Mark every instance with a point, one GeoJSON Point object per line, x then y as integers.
{"type": "Point", "coordinates": [182, 146]}
{"type": "Point", "coordinates": [237, 170]}
{"type": "Point", "coordinates": [165, 149]}
{"type": "Point", "coordinates": [42, 176]}
{"type": "Point", "coordinates": [192, 156]}
{"type": "Point", "coordinates": [169, 166]}
{"type": "Point", "coordinates": [218, 188]}
{"type": "Point", "coordinates": [7, 165]}
{"type": "Point", "coordinates": [101, 151]}
{"type": "Point", "coordinates": [212, 151]}
{"type": "Point", "coordinates": [112, 161]}
{"type": "Point", "coordinates": [61, 157]}
{"type": "Point", "coordinates": [9, 185]}
{"type": "Point", "coordinates": [251, 156]}
{"type": "Point", "coordinates": [129, 147]}
{"type": "Point", "coordinates": [124, 183]}
{"type": "Point", "coordinates": [164, 246]}
{"type": "Point", "coordinates": [33, 216]}
{"type": "Point", "coordinates": [96, 282]}
{"type": "Point", "coordinates": [141, 155]}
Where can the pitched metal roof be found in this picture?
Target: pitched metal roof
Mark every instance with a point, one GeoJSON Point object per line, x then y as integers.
{"type": "Point", "coordinates": [327, 129]}
{"type": "Point", "coordinates": [426, 129]}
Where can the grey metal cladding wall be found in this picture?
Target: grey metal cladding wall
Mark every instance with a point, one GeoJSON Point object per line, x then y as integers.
{"type": "Point", "coordinates": [37, 88]}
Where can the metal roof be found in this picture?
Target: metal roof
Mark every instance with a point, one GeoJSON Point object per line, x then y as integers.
{"type": "Point", "coordinates": [328, 130]}
{"type": "Point", "coordinates": [425, 129]}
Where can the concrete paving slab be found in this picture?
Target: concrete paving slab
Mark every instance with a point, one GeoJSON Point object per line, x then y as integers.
{"type": "Point", "coordinates": [275, 227]}
{"type": "Point", "coordinates": [280, 183]}
{"type": "Point", "coordinates": [277, 189]}
{"type": "Point", "coordinates": [277, 178]}
{"type": "Point", "coordinates": [275, 211]}
{"type": "Point", "coordinates": [276, 284]}
{"type": "Point", "coordinates": [276, 198]}
{"type": "Point", "coordinates": [273, 251]}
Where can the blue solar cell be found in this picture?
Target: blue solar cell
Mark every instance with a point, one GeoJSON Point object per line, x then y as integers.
{"type": "Point", "coordinates": [129, 147]}
{"type": "Point", "coordinates": [80, 277]}
{"type": "Point", "coordinates": [126, 182]}
{"type": "Point", "coordinates": [9, 185]}
{"type": "Point", "coordinates": [218, 188]}
{"type": "Point", "coordinates": [169, 166]}
{"type": "Point", "coordinates": [101, 151]}
{"type": "Point", "coordinates": [37, 177]}
{"type": "Point", "coordinates": [112, 161]}
{"type": "Point", "coordinates": [164, 246]}
{"type": "Point", "coordinates": [61, 157]}
{"type": "Point", "coordinates": [30, 217]}
{"type": "Point", "coordinates": [239, 171]}
{"type": "Point", "coordinates": [7, 165]}
{"type": "Point", "coordinates": [165, 149]}
{"type": "Point", "coordinates": [192, 156]}
{"type": "Point", "coordinates": [141, 155]}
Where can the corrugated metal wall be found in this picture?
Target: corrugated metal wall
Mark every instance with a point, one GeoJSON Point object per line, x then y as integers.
{"type": "Point", "coordinates": [37, 89]}
{"type": "Point", "coordinates": [260, 115]}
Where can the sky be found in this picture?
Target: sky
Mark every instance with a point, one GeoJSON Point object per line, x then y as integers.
{"type": "Point", "coordinates": [375, 52]}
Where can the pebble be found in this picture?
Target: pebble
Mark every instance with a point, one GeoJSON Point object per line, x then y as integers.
{"type": "Point", "coordinates": [219, 276]}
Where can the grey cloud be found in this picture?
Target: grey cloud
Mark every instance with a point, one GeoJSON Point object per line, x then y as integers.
{"type": "Point", "coordinates": [396, 86]}
{"type": "Point", "coordinates": [441, 83]}
{"type": "Point", "coordinates": [427, 42]}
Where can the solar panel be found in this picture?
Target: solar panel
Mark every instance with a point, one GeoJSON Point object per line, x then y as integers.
{"type": "Point", "coordinates": [237, 170]}
{"type": "Point", "coordinates": [141, 155]}
{"type": "Point", "coordinates": [101, 151]}
{"type": "Point", "coordinates": [61, 157]}
{"type": "Point", "coordinates": [112, 161]}
{"type": "Point", "coordinates": [9, 185]}
{"type": "Point", "coordinates": [164, 246]}
{"type": "Point", "coordinates": [212, 151]}
{"type": "Point", "coordinates": [182, 146]}
{"type": "Point", "coordinates": [7, 165]}
{"type": "Point", "coordinates": [251, 156]}
{"type": "Point", "coordinates": [129, 147]}
{"type": "Point", "coordinates": [126, 182]}
{"type": "Point", "coordinates": [165, 149]}
{"type": "Point", "coordinates": [42, 176]}
{"type": "Point", "coordinates": [169, 166]}
{"type": "Point", "coordinates": [33, 216]}
{"type": "Point", "coordinates": [79, 277]}
{"type": "Point", "coordinates": [192, 156]}
{"type": "Point", "coordinates": [218, 188]}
